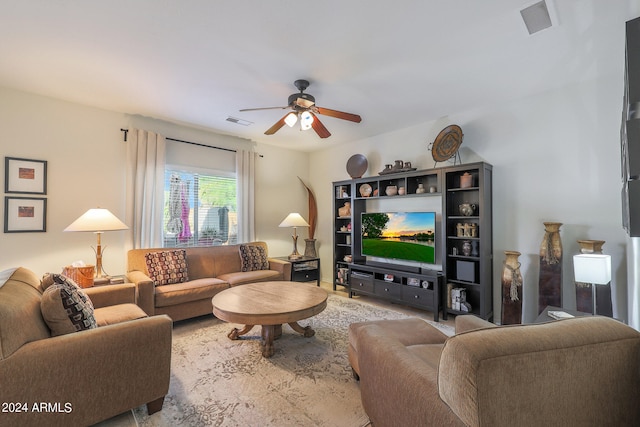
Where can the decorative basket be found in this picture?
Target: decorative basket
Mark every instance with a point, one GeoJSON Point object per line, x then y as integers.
{"type": "Point", "coordinates": [83, 276]}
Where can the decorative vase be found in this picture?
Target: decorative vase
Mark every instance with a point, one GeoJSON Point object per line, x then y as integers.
{"type": "Point", "coordinates": [584, 295]}
{"type": "Point", "coordinates": [466, 248]}
{"type": "Point", "coordinates": [401, 191]}
{"type": "Point", "coordinates": [467, 209]}
{"type": "Point", "coordinates": [345, 210]}
{"type": "Point", "coordinates": [550, 280]}
{"type": "Point", "coordinates": [466, 180]}
{"type": "Point", "coordinates": [511, 289]}
{"type": "Point", "coordinates": [420, 189]}
{"type": "Point", "coordinates": [391, 190]}
{"type": "Point", "coordinates": [310, 248]}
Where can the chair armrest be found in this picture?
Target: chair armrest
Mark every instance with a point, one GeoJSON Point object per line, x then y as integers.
{"type": "Point", "coordinates": [397, 387]}
{"type": "Point", "coordinates": [104, 296]}
{"type": "Point", "coordinates": [145, 291]}
{"type": "Point", "coordinates": [95, 374]}
{"type": "Point", "coordinates": [281, 266]}
{"type": "Point", "coordinates": [469, 322]}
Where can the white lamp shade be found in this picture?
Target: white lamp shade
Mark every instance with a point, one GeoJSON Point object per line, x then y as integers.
{"type": "Point", "coordinates": [306, 120]}
{"type": "Point", "coordinates": [294, 220]}
{"type": "Point", "coordinates": [97, 220]}
{"type": "Point", "coordinates": [592, 268]}
{"type": "Point", "coordinates": [291, 119]}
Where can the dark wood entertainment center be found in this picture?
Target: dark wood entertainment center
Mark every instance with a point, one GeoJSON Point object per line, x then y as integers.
{"type": "Point", "coordinates": [463, 239]}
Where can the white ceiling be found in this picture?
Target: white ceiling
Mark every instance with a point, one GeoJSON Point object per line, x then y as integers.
{"type": "Point", "coordinates": [396, 63]}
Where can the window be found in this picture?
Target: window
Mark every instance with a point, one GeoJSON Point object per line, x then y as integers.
{"type": "Point", "coordinates": [200, 208]}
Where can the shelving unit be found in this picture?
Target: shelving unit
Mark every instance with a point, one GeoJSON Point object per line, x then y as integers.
{"type": "Point", "coordinates": [468, 262]}
{"type": "Point", "coordinates": [473, 272]}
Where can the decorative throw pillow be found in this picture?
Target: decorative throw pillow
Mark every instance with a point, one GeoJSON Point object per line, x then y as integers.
{"type": "Point", "coordinates": [65, 307]}
{"type": "Point", "coordinates": [167, 267]}
{"type": "Point", "coordinates": [253, 258]}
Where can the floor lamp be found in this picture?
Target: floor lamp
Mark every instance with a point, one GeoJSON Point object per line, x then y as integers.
{"type": "Point", "coordinates": [594, 269]}
{"type": "Point", "coordinates": [97, 221]}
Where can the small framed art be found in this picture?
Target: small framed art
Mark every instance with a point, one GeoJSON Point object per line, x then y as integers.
{"type": "Point", "coordinates": [25, 214]}
{"type": "Point", "coordinates": [25, 176]}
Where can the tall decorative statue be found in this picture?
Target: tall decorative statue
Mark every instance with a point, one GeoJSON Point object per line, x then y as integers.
{"type": "Point", "coordinates": [550, 281]}
{"type": "Point", "coordinates": [511, 289]}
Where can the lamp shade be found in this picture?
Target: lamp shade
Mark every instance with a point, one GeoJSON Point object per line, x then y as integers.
{"type": "Point", "coordinates": [97, 220]}
{"type": "Point", "coordinates": [592, 268]}
{"type": "Point", "coordinates": [294, 220]}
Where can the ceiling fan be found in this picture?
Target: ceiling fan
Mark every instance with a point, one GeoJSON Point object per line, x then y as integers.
{"type": "Point", "coordinates": [305, 109]}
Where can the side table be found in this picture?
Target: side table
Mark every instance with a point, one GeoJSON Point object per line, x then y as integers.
{"type": "Point", "coordinates": [304, 269]}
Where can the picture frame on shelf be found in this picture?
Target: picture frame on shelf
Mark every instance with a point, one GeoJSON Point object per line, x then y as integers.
{"type": "Point", "coordinates": [25, 214]}
{"type": "Point", "coordinates": [25, 176]}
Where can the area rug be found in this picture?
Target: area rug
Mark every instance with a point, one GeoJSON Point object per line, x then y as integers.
{"type": "Point", "coordinates": [307, 382]}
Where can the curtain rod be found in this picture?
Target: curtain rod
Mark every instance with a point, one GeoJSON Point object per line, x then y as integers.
{"type": "Point", "coordinates": [126, 131]}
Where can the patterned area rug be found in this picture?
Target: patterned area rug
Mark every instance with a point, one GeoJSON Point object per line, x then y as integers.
{"type": "Point", "coordinates": [307, 382]}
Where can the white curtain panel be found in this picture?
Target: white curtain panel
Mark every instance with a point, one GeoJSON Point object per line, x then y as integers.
{"type": "Point", "coordinates": [245, 175]}
{"type": "Point", "coordinates": [145, 188]}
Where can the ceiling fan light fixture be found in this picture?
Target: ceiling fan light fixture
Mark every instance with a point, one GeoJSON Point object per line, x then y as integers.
{"type": "Point", "coordinates": [291, 119]}
{"type": "Point", "coordinates": [306, 120]}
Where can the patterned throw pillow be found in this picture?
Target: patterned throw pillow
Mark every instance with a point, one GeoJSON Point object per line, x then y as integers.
{"type": "Point", "coordinates": [65, 307]}
{"type": "Point", "coordinates": [167, 267]}
{"type": "Point", "coordinates": [253, 258]}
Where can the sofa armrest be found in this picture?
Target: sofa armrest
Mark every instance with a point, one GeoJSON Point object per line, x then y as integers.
{"type": "Point", "coordinates": [284, 267]}
{"type": "Point", "coordinates": [104, 296]}
{"type": "Point", "coordinates": [93, 374]}
{"type": "Point", "coordinates": [397, 387]}
{"type": "Point", "coordinates": [145, 291]}
{"type": "Point", "coordinates": [469, 322]}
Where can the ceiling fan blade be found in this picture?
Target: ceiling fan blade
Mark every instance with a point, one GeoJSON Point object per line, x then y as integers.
{"type": "Point", "coordinates": [319, 127]}
{"type": "Point", "coordinates": [276, 127]}
{"type": "Point", "coordinates": [264, 108]}
{"type": "Point", "coordinates": [338, 114]}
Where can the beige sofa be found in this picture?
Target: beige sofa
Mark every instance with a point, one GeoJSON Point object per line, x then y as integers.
{"type": "Point", "coordinates": [80, 378]}
{"type": "Point", "coordinates": [210, 270]}
{"type": "Point", "coordinates": [577, 372]}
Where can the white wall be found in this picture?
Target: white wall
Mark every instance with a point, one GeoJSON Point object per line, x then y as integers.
{"type": "Point", "coordinates": [86, 156]}
{"type": "Point", "coordinates": [556, 157]}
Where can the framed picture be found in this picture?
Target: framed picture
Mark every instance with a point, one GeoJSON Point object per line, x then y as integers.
{"type": "Point", "coordinates": [25, 176]}
{"type": "Point", "coordinates": [25, 214]}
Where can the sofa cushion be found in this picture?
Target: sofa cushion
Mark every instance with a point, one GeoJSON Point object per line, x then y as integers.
{"type": "Point", "coordinates": [253, 258]}
{"type": "Point", "coordinates": [192, 290]}
{"type": "Point", "coordinates": [242, 278]}
{"type": "Point", "coordinates": [118, 313]}
{"type": "Point", "coordinates": [167, 267]}
{"type": "Point", "coordinates": [65, 307]}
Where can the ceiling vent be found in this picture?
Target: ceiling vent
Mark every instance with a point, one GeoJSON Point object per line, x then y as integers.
{"type": "Point", "coordinates": [239, 121]}
{"type": "Point", "coordinates": [536, 17]}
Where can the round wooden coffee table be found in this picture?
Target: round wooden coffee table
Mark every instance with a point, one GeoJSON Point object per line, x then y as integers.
{"type": "Point", "coordinates": [269, 304]}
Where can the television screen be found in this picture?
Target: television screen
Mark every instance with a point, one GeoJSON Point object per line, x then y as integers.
{"type": "Point", "coordinates": [408, 236]}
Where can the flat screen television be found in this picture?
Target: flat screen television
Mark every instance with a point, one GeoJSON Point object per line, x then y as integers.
{"type": "Point", "coordinates": [405, 236]}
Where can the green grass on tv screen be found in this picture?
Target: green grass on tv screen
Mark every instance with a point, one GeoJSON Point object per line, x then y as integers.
{"type": "Point", "coordinates": [399, 250]}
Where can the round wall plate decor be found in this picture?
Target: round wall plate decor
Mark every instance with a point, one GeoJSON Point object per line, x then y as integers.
{"type": "Point", "coordinates": [447, 143]}
{"type": "Point", "coordinates": [357, 165]}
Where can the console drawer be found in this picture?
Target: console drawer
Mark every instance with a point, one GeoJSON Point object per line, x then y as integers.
{"type": "Point", "coordinates": [304, 275]}
{"type": "Point", "coordinates": [418, 296]}
{"type": "Point", "coordinates": [361, 282]}
{"type": "Point", "coordinates": [388, 290]}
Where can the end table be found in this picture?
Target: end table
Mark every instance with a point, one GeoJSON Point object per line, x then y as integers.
{"type": "Point", "coordinates": [304, 269]}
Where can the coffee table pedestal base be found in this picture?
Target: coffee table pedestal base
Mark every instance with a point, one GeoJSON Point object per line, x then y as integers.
{"type": "Point", "coordinates": [269, 334]}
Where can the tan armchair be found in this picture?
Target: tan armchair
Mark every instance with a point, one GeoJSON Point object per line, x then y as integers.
{"type": "Point", "coordinates": [583, 371]}
{"type": "Point", "coordinates": [84, 377]}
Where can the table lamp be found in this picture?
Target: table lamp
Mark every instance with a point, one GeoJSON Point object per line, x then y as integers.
{"type": "Point", "coordinates": [97, 221]}
{"type": "Point", "coordinates": [294, 220]}
{"type": "Point", "coordinates": [594, 269]}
